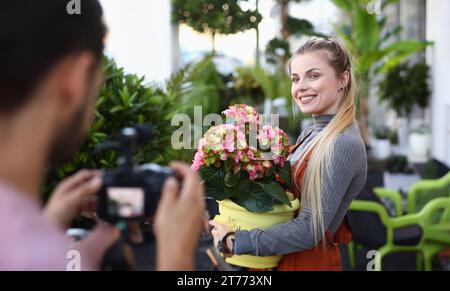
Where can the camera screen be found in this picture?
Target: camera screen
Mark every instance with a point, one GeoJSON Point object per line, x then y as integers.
{"type": "Point", "coordinates": [125, 202]}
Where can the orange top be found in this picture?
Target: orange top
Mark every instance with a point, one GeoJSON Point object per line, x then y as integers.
{"type": "Point", "coordinates": [326, 255]}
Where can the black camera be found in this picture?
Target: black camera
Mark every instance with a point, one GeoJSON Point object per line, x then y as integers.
{"type": "Point", "coordinates": [131, 192]}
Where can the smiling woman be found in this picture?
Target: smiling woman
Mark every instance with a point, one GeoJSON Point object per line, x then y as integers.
{"type": "Point", "coordinates": [329, 165]}
{"type": "Point", "coordinates": [316, 86]}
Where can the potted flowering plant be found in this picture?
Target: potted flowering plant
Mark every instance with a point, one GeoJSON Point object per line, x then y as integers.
{"type": "Point", "coordinates": [244, 167]}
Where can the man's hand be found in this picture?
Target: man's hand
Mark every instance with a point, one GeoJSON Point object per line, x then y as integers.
{"type": "Point", "coordinates": [179, 220]}
{"type": "Point", "coordinates": [71, 194]}
{"type": "Point", "coordinates": [70, 197]}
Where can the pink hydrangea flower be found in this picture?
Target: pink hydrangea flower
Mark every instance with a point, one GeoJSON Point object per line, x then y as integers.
{"type": "Point", "coordinates": [229, 142]}
{"type": "Point", "coordinates": [198, 161]}
{"type": "Point", "coordinates": [241, 114]}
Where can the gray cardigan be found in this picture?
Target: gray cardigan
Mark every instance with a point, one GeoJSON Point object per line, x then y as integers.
{"type": "Point", "coordinates": [341, 185]}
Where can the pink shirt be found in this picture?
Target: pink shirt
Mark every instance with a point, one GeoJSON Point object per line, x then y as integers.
{"type": "Point", "coordinates": [28, 240]}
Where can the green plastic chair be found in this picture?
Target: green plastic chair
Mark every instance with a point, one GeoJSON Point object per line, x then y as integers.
{"type": "Point", "coordinates": [420, 194]}
{"type": "Point", "coordinates": [426, 190]}
{"type": "Point", "coordinates": [433, 220]}
{"type": "Point", "coordinates": [394, 196]}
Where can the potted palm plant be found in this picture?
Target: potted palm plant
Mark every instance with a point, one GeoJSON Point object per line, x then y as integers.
{"type": "Point", "coordinates": [376, 48]}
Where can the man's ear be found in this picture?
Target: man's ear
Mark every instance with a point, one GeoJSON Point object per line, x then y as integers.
{"type": "Point", "coordinates": [76, 70]}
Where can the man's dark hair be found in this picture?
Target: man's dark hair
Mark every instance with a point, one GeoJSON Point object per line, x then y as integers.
{"type": "Point", "coordinates": [35, 35]}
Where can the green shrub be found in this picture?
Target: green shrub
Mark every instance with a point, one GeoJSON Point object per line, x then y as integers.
{"type": "Point", "coordinates": [125, 100]}
{"type": "Point", "coordinates": [405, 86]}
{"type": "Point", "coordinates": [247, 89]}
{"type": "Point", "coordinates": [203, 86]}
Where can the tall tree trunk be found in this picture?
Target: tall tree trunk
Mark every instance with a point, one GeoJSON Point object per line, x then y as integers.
{"type": "Point", "coordinates": [257, 55]}
{"type": "Point", "coordinates": [363, 113]}
{"type": "Point", "coordinates": [363, 119]}
{"type": "Point", "coordinates": [213, 40]}
{"type": "Point", "coordinates": [284, 13]}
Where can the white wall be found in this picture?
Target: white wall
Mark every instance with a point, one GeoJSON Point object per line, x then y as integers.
{"type": "Point", "coordinates": [140, 36]}
{"type": "Point", "coordinates": [438, 57]}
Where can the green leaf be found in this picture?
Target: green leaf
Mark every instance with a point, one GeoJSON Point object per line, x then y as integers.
{"type": "Point", "coordinates": [343, 4]}
{"type": "Point", "coordinates": [231, 180]}
{"type": "Point", "coordinates": [348, 41]}
{"type": "Point", "coordinates": [253, 198]}
{"type": "Point", "coordinates": [408, 46]}
{"type": "Point", "coordinates": [211, 191]}
{"type": "Point", "coordinates": [368, 59]}
{"type": "Point", "coordinates": [132, 98]}
{"type": "Point", "coordinates": [366, 31]}
{"type": "Point", "coordinates": [214, 177]}
{"type": "Point", "coordinates": [285, 173]}
{"type": "Point", "coordinates": [276, 191]}
{"type": "Point", "coordinates": [299, 26]}
{"type": "Point", "coordinates": [400, 50]}
{"type": "Point", "coordinates": [116, 109]}
{"type": "Point", "coordinates": [125, 96]}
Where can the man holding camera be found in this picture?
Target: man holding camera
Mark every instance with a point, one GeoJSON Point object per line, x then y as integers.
{"type": "Point", "coordinates": [50, 74]}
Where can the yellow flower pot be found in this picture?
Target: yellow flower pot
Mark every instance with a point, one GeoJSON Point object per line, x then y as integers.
{"type": "Point", "coordinates": [238, 218]}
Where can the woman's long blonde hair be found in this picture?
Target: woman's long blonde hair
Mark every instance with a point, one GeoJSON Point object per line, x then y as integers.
{"type": "Point", "coordinates": [322, 145]}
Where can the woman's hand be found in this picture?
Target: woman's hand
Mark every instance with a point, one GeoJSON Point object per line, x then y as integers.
{"type": "Point", "coordinates": [71, 195]}
{"type": "Point", "coordinates": [218, 232]}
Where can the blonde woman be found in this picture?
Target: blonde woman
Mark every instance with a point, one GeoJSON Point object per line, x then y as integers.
{"type": "Point", "coordinates": [329, 166]}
